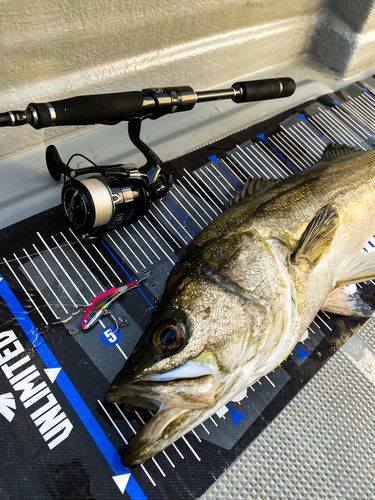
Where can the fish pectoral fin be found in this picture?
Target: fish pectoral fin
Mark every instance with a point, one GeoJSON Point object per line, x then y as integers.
{"type": "Point", "coordinates": [360, 268]}
{"type": "Point", "coordinates": [346, 301]}
{"type": "Point", "coordinates": [317, 238]}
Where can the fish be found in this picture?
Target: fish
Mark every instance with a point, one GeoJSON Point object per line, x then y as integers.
{"type": "Point", "coordinates": [244, 292]}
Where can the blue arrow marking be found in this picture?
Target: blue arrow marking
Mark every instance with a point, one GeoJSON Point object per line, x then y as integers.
{"type": "Point", "coordinates": [215, 160]}
{"type": "Point", "coordinates": [353, 117]}
{"type": "Point", "coordinates": [302, 353]}
{"type": "Point", "coordinates": [368, 92]}
{"type": "Point", "coordinates": [261, 136]}
{"type": "Point", "coordinates": [236, 415]}
{"type": "Point", "coordinates": [302, 117]}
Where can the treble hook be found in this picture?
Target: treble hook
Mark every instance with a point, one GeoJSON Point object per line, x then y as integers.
{"type": "Point", "coordinates": [118, 324]}
{"type": "Point", "coordinates": [142, 281]}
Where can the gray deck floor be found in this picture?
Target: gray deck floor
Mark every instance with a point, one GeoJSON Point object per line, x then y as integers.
{"type": "Point", "coordinates": [322, 445]}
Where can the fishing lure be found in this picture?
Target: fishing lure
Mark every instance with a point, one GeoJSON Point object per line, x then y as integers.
{"type": "Point", "coordinates": [101, 304]}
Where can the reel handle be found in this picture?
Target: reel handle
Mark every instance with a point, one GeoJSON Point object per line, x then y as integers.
{"type": "Point", "coordinates": [56, 167]}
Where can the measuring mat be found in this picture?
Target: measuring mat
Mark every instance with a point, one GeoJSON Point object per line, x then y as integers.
{"type": "Point", "coordinates": [59, 437]}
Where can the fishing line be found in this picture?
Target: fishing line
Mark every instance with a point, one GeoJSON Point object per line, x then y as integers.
{"type": "Point", "coordinates": [100, 193]}
{"type": "Point", "coordinates": [77, 306]}
{"type": "Point", "coordinates": [102, 199]}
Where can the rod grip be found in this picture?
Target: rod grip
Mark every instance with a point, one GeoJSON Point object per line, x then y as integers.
{"type": "Point", "coordinates": [258, 90]}
{"type": "Point", "coordinates": [86, 109]}
{"type": "Point", "coordinates": [5, 120]}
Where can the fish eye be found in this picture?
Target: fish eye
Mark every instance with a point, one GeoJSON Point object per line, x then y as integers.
{"type": "Point", "coordinates": [169, 336]}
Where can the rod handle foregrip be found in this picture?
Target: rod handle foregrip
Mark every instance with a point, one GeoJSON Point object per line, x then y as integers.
{"type": "Point", "coordinates": [86, 109]}
{"type": "Point", "coordinates": [259, 90]}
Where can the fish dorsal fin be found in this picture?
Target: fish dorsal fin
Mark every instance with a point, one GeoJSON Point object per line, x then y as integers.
{"type": "Point", "coordinates": [317, 238]}
{"type": "Point", "coordinates": [346, 301]}
{"type": "Point", "coordinates": [251, 188]}
{"type": "Point", "coordinates": [360, 268]}
{"type": "Point", "coordinates": [335, 150]}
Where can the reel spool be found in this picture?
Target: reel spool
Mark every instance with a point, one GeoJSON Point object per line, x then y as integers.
{"type": "Point", "coordinates": [94, 202]}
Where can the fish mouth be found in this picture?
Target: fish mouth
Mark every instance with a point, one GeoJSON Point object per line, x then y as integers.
{"type": "Point", "coordinates": [176, 401]}
{"type": "Point", "coordinates": [149, 441]}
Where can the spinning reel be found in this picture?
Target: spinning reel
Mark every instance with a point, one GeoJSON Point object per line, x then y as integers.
{"type": "Point", "coordinates": [117, 195]}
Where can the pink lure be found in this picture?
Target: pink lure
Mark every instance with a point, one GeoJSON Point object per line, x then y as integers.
{"type": "Point", "coordinates": [102, 302]}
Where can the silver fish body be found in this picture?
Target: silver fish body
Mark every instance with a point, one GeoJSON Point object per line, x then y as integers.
{"type": "Point", "coordinates": [244, 292]}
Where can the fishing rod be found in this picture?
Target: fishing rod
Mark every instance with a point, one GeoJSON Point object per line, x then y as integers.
{"type": "Point", "coordinates": [120, 194]}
